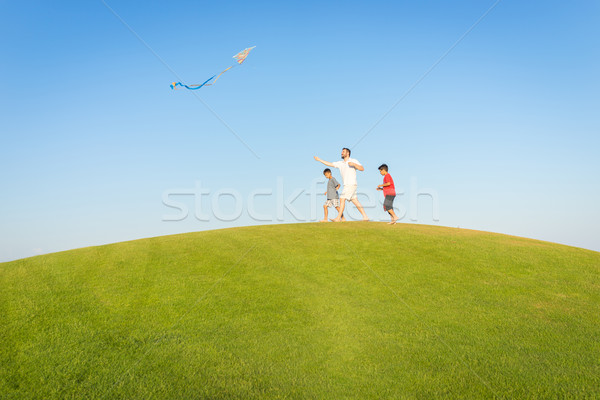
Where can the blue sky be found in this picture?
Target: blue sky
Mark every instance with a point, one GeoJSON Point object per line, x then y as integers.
{"type": "Point", "coordinates": [504, 130]}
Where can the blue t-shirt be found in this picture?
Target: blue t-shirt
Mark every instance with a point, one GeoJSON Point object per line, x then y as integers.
{"type": "Point", "coordinates": [331, 192]}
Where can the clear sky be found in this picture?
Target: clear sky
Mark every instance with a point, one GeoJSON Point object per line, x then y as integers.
{"type": "Point", "coordinates": [504, 131]}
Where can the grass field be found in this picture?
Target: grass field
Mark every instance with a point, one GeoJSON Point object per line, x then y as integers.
{"type": "Point", "coordinates": [351, 310]}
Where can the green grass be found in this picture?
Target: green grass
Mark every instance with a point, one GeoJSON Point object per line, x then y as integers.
{"type": "Point", "coordinates": [352, 310]}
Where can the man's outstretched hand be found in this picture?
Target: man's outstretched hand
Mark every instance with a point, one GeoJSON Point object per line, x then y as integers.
{"type": "Point", "coordinates": [324, 162]}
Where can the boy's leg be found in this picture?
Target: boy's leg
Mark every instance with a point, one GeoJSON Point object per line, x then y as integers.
{"type": "Point", "coordinates": [341, 210]}
{"type": "Point", "coordinates": [360, 208]}
{"type": "Point", "coordinates": [388, 204]}
{"type": "Point", "coordinates": [393, 215]}
{"type": "Point", "coordinates": [325, 211]}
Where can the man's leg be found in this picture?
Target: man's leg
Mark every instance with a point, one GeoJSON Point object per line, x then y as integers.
{"type": "Point", "coordinates": [341, 210]}
{"type": "Point", "coordinates": [338, 210]}
{"type": "Point", "coordinates": [360, 208]}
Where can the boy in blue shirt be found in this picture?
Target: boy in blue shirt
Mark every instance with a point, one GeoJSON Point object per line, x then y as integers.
{"type": "Point", "coordinates": [333, 199]}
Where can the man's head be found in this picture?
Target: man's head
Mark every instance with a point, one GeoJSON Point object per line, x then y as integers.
{"type": "Point", "coordinates": [327, 173]}
{"type": "Point", "coordinates": [383, 169]}
{"type": "Point", "coordinates": [345, 153]}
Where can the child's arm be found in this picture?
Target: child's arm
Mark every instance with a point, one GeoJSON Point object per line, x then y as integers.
{"type": "Point", "coordinates": [337, 187]}
{"type": "Point", "coordinates": [324, 162]}
{"type": "Point", "coordinates": [383, 185]}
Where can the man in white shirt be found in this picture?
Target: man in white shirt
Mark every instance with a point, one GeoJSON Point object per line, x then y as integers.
{"type": "Point", "coordinates": [347, 167]}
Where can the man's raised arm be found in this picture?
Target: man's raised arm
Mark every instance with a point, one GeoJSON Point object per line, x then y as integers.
{"type": "Point", "coordinates": [324, 162]}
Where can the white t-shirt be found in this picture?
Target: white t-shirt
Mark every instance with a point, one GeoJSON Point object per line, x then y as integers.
{"type": "Point", "coordinates": [348, 173]}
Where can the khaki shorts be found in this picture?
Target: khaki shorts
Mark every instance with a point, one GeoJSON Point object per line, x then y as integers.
{"type": "Point", "coordinates": [349, 192]}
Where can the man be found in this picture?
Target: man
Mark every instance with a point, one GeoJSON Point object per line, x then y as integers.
{"type": "Point", "coordinates": [347, 169]}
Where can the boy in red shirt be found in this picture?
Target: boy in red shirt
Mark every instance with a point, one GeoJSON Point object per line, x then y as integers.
{"type": "Point", "coordinates": [389, 191]}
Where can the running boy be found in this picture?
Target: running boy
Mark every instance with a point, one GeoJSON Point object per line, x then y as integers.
{"type": "Point", "coordinates": [333, 199]}
{"type": "Point", "coordinates": [389, 191]}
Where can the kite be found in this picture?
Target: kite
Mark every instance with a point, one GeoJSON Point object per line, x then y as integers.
{"type": "Point", "coordinates": [239, 57]}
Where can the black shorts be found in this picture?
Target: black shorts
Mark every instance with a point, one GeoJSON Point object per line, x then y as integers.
{"type": "Point", "coordinates": [388, 202]}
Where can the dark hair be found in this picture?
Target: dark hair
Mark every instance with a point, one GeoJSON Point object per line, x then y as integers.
{"type": "Point", "coordinates": [383, 167]}
{"type": "Point", "coordinates": [326, 170]}
{"type": "Point", "coordinates": [349, 152]}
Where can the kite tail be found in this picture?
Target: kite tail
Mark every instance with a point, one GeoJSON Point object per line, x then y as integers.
{"type": "Point", "coordinates": [218, 76]}
{"type": "Point", "coordinates": [190, 87]}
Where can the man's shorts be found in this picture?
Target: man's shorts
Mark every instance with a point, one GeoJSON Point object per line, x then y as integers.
{"type": "Point", "coordinates": [388, 203]}
{"type": "Point", "coordinates": [349, 192]}
{"type": "Point", "coordinates": [332, 203]}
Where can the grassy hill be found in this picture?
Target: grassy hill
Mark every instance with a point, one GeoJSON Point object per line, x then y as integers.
{"type": "Point", "coordinates": [352, 310]}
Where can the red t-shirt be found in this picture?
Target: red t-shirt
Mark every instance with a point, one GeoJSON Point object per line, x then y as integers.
{"type": "Point", "coordinates": [391, 189]}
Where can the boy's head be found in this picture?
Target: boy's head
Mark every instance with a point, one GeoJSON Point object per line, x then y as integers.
{"type": "Point", "coordinates": [327, 173]}
{"type": "Point", "coordinates": [383, 169]}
